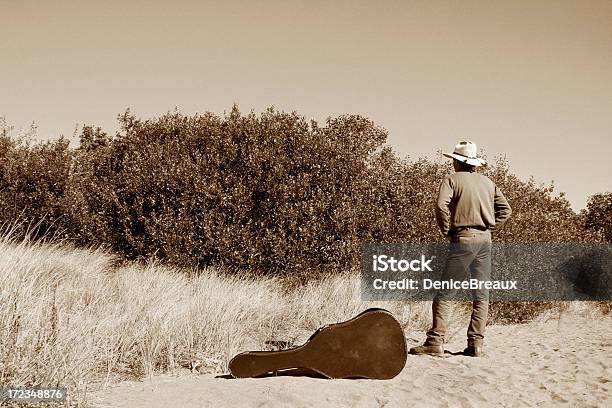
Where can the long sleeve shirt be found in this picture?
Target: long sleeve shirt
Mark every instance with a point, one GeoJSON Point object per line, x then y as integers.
{"type": "Point", "coordinates": [470, 200]}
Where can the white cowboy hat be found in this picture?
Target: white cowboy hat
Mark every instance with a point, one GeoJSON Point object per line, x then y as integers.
{"type": "Point", "coordinates": [466, 152]}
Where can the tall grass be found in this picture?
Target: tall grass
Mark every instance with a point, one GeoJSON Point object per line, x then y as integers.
{"type": "Point", "coordinates": [71, 317]}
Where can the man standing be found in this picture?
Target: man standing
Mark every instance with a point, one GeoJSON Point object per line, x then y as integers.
{"type": "Point", "coordinates": [469, 207]}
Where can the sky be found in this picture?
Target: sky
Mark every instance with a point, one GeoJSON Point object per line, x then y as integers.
{"type": "Point", "coordinates": [528, 80]}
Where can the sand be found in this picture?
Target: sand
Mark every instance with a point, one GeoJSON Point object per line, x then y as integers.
{"type": "Point", "coordinates": [563, 361]}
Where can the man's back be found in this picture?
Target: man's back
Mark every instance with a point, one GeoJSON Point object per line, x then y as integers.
{"type": "Point", "coordinates": [472, 201]}
{"type": "Point", "coordinates": [469, 199]}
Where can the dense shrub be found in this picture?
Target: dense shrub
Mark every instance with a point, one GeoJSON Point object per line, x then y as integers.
{"type": "Point", "coordinates": [33, 183]}
{"type": "Point", "coordinates": [271, 192]}
{"type": "Point", "coordinates": [598, 214]}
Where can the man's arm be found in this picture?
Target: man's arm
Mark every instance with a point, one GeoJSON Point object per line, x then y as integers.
{"type": "Point", "coordinates": [445, 196]}
{"type": "Point", "coordinates": [501, 207]}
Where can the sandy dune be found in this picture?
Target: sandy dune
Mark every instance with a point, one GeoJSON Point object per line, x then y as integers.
{"type": "Point", "coordinates": [563, 361]}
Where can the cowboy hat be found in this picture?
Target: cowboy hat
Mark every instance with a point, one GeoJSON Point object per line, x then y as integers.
{"type": "Point", "coordinates": [466, 152]}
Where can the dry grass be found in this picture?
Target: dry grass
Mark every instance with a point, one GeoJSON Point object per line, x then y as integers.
{"type": "Point", "coordinates": [75, 318]}
{"type": "Point", "coordinates": [72, 317]}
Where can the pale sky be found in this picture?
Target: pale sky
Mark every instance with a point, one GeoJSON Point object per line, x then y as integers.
{"type": "Point", "coordinates": [531, 80]}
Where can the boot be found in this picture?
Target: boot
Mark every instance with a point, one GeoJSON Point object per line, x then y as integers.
{"type": "Point", "coordinates": [473, 351]}
{"type": "Point", "coordinates": [428, 349]}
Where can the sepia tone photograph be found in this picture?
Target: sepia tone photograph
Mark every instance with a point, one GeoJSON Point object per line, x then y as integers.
{"type": "Point", "coordinates": [306, 203]}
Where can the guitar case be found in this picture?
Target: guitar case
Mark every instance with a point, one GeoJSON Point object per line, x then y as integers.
{"type": "Point", "coordinates": [370, 345]}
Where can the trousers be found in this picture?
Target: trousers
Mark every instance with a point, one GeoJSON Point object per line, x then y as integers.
{"type": "Point", "coordinates": [469, 257]}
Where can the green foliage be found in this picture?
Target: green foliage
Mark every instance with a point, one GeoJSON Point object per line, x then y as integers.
{"type": "Point", "coordinates": [273, 192]}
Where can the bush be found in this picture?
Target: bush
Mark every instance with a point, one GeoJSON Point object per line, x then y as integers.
{"type": "Point", "coordinates": [273, 192]}
{"type": "Point", "coordinates": [598, 214]}
{"type": "Point", "coordinates": [33, 183]}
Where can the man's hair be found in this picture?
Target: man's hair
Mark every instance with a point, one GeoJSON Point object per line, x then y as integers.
{"type": "Point", "coordinates": [465, 167]}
